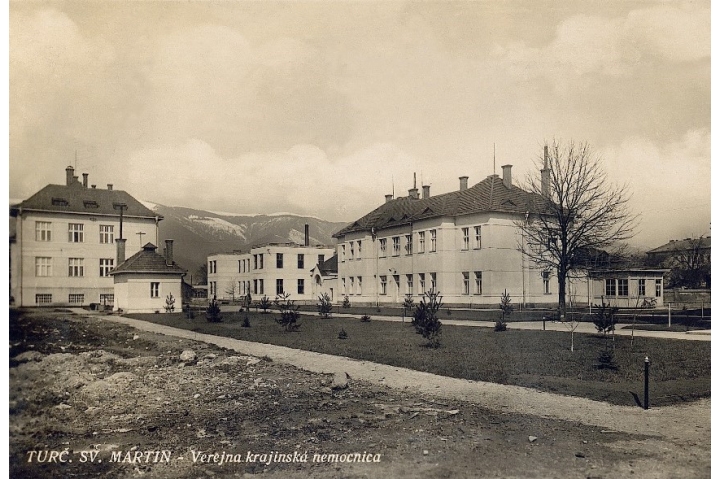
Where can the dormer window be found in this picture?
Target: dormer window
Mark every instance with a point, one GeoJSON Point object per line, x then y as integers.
{"type": "Point", "coordinates": [59, 202]}
{"type": "Point", "coordinates": [90, 204]}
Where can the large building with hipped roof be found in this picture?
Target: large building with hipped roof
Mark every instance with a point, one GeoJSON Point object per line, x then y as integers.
{"type": "Point", "coordinates": [63, 247]}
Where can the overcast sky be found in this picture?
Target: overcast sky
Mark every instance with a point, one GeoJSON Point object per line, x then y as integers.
{"type": "Point", "coordinates": [320, 108]}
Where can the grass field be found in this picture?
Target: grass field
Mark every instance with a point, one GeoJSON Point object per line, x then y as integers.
{"type": "Point", "coordinates": [680, 370]}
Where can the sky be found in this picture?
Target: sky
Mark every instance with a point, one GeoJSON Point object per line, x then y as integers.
{"type": "Point", "coordinates": [322, 108]}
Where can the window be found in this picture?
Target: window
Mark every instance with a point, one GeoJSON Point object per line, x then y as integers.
{"type": "Point", "coordinates": [212, 267]}
{"type": "Point", "coordinates": [359, 255]}
{"type": "Point", "coordinates": [383, 284]}
{"type": "Point", "coordinates": [421, 242]}
{"type": "Point", "coordinates": [301, 261]}
{"type": "Point", "coordinates": [321, 258]}
{"type": "Point", "coordinates": [43, 298]}
{"type": "Point", "coordinates": [433, 281]}
{"type": "Point", "coordinates": [76, 267]}
{"type": "Point", "coordinates": [42, 231]}
{"type": "Point", "coordinates": [214, 287]}
{"type": "Point", "coordinates": [155, 289]}
{"type": "Point", "coordinates": [279, 286]}
{"type": "Point", "coordinates": [383, 247]}
{"type": "Point", "coordinates": [610, 287]}
{"type": "Point", "coordinates": [546, 282]}
{"type": "Point", "coordinates": [75, 233]}
{"type": "Point", "coordinates": [240, 266]}
{"type": "Point", "coordinates": [478, 282]}
{"type": "Point", "coordinates": [255, 263]}
{"type": "Point", "coordinates": [106, 264]}
{"type": "Point", "coordinates": [59, 202]}
{"type": "Point", "coordinates": [76, 298]}
{"type": "Point", "coordinates": [106, 234]}
{"type": "Point", "coordinates": [421, 280]}
{"type": "Point", "coordinates": [261, 284]}
{"type": "Point", "coordinates": [622, 287]}
{"type": "Point", "coordinates": [409, 281]}
{"type": "Point", "coordinates": [279, 261]}
{"type": "Point", "coordinates": [658, 287]}
{"type": "Point", "coordinates": [255, 286]}
{"type": "Point", "coordinates": [478, 237]}
{"type": "Point", "coordinates": [641, 287]}
{"type": "Point", "coordinates": [433, 241]}
{"type": "Point", "coordinates": [408, 244]}
{"type": "Point", "coordinates": [352, 250]}
{"type": "Point", "coordinates": [90, 204]}
{"type": "Point", "coordinates": [107, 299]}
{"type": "Point", "coordinates": [359, 285]}
{"type": "Point", "coordinates": [352, 284]}
{"type": "Point", "coordinates": [301, 286]}
{"type": "Point", "coordinates": [43, 266]}
{"type": "Point", "coordinates": [466, 283]}
{"type": "Point", "coordinates": [343, 286]}
{"type": "Point", "coordinates": [396, 245]}
{"type": "Point", "coordinates": [342, 252]}
{"type": "Point", "coordinates": [466, 238]}
{"type": "Point", "coordinates": [261, 260]}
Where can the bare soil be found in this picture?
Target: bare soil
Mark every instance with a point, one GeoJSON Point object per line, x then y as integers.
{"type": "Point", "coordinates": [85, 384]}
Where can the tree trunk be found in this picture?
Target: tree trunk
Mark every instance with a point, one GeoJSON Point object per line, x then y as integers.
{"type": "Point", "coordinates": [562, 278]}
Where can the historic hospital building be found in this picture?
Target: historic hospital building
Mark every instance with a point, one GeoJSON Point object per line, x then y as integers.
{"type": "Point", "coordinates": [64, 244]}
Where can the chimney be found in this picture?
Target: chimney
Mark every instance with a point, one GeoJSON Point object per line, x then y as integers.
{"type": "Point", "coordinates": [545, 176]}
{"type": "Point", "coordinates": [507, 176]}
{"type": "Point", "coordinates": [463, 183]}
{"type": "Point", "coordinates": [307, 234]}
{"type": "Point", "coordinates": [69, 171]}
{"type": "Point", "coordinates": [413, 193]}
{"type": "Point", "coordinates": [120, 251]}
{"type": "Point", "coordinates": [426, 191]}
{"type": "Point", "coordinates": [388, 198]}
{"type": "Point", "coordinates": [109, 186]}
{"type": "Point", "coordinates": [76, 179]}
{"type": "Point", "coordinates": [85, 179]}
{"type": "Point", "coordinates": [169, 252]}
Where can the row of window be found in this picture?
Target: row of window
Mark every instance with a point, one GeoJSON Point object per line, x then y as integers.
{"type": "Point", "coordinates": [76, 266]}
{"type": "Point", "coordinates": [258, 287]}
{"type": "Point", "coordinates": [74, 298]}
{"type": "Point", "coordinates": [258, 262]}
{"type": "Point", "coordinates": [619, 287]}
{"type": "Point", "coordinates": [76, 232]}
{"type": "Point", "coordinates": [407, 248]}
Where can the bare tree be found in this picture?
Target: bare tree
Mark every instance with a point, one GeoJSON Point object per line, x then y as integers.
{"type": "Point", "coordinates": [233, 288]}
{"type": "Point", "coordinates": [577, 211]}
{"type": "Point", "coordinates": [690, 265]}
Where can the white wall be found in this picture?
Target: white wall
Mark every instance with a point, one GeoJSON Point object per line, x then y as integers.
{"type": "Point", "coordinates": [132, 292]}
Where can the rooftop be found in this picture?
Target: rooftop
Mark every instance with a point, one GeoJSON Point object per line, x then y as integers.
{"type": "Point", "coordinates": [148, 260]}
{"type": "Point", "coordinates": [682, 245]}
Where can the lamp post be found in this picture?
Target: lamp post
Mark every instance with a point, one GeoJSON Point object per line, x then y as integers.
{"type": "Point", "coordinates": [647, 383]}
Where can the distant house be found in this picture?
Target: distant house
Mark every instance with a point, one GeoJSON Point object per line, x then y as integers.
{"type": "Point", "coordinates": [144, 282]}
{"type": "Point", "coordinates": [324, 278]}
{"type": "Point", "coordinates": [64, 243]}
{"type": "Point", "coordinates": [687, 259]}
{"type": "Point", "coordinates": [627, 288]}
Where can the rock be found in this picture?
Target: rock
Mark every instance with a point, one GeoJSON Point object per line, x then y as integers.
{"type": "Point", "coordinates": [340, 381]}
{"type": "Point", "coordinates": [326, 390]}
{"type": "Point", "coordinates": [210, 356]}
{"type": "Point", "coordinates": [136, 337]}
{"type": "Point", "coordinates": [28, 356]}
{"type": "Point", "coordinates": [188, 356]}
{"type": "Point", "coordinates": [579, 454]}
{"type": "Point", "coordinates": [453, 412]}
{"type": "Point", "coordinates": [63, 406]}
{"type": "Point", "coordinates": [196, 396]}
{"type": "Point", "coordinates": [425, 452]}
{"type": "Point", "coordinates": [532, 438]}
{"type": "Point", "coordinates": [252, 361]}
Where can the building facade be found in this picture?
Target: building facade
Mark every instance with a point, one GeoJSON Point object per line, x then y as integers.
{"type": "Point", "coordinates": [266, 270]}
{"type": "Point", "coordinates": [64, 245]}
{"type": "Point", "coordinates": [465, 244]}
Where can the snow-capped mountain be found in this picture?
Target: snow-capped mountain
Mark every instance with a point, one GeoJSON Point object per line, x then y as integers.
{"type": "Point", "coordinates": [198, 233]}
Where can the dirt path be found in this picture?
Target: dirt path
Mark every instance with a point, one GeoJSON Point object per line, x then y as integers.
{"type": "Point", "coordinates": [675, 423]}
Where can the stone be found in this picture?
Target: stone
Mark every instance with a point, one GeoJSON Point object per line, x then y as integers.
{"type": "Point", "coordinates": [532, 438]}
{"type": "Point", "coordinates": [425, 452]}
{"type": "Point", "coordinates": [136, 337]}
{"type": "Point", "coordinates": [28, 356]}
{"type": "Point", "coordinates": [340, 381]}
{"type": "Point", "coordinates": [188, 356]}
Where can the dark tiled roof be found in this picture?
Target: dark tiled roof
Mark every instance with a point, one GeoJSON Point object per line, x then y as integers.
{"type": "Point", "coordinates": [147, 261]}
{"type": "Point", "coordinates": [682, 245]}
{"type": "Point", "coordinates": [490, 194]}
{"type": "Point", "coordinates": [76, 198]}
{"type": "Point", "coordinates": [329, 266]}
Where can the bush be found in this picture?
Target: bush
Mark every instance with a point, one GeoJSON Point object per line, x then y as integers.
{"type": "Point", "coordinates": [606, 360]}
{"type": "Point", "coordinates": [264, 304]}
{"type": "Point", "coordinates": [289, 314]}
{"type": "Point", "coordinates": [500, 326]}
{"type": "Point", "coordinates": [365, 318]}
{"type": "Point", "coordinates": [408, 304]}
{"type": "Point", "coordinates": [346, 302]}
{"type": "Point", "coordinates": [505, 310]}
{"type": "Point", "coordinates": [246, 322]}
{"type": "Point", "coordinates": [604, 318]}
{"type": "Point", "coordinates": [324, 305]}
{"type": "Point", "coordinates": [212, 313]}
{"type": "Point", "coordinates": [169, 303]}
{"type": "Point", "coordinates": [425, 318]}
{"type": "Point", "coordinates": [342, 334]}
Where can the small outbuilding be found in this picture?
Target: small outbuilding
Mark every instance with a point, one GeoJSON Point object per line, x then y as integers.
{"type": "Point", "coordinates": [147, 282]}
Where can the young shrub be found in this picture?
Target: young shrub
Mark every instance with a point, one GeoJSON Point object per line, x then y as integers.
{"type": "Point", "coordinates": [212, 313]}
{"type": "Point", "coordinates": [169, 303]}
{"type": "Point", "coordinates": [408, 304]}
{"type": "Point", "coordinates": [265, 304]}
{"type": "Point", "coordinates": [365, 318]}
{"type": "Point", "coordinates": [246, 322]}
{"type": "Point", "coordinates": [342, 334]}
{"type": "Point", "coordinates": [505, 310]}
{"type": "Point", "coordinates": [289, 314]}
{"type": "Point", "coordinates": [500, 326]}
{"type": "Point", "coordinates": [606, 360]}
{"type": "Point", "coordinates": [346, 302]}
{"type": "Point", "coordinates": [425, 318]}
{"type": "Point", "coordinates": [604, 317]}
{"type": "Point", "coordinates": [324, 305]}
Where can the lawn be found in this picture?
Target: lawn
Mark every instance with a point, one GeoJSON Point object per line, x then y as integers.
{"type": "Point", "coordinates": [680, 370]}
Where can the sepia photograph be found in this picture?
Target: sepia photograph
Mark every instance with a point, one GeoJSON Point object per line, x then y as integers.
{"type": "Point", "coordinates": [359, 239]}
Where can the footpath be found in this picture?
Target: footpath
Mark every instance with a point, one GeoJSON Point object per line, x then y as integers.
{"type": "Point", "coordinates": [680, 424]}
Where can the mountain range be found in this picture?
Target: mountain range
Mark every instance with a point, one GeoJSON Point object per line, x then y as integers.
{"type": "Point", "coordinates": [199, 233]}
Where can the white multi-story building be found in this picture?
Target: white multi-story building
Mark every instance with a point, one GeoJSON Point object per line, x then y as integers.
{"type": "Point", "coordinates": [266, 270]}
{"type": "Point", "coordinates": [64, 244]}
{"type": "Point", "coordinates": [464, 244]}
